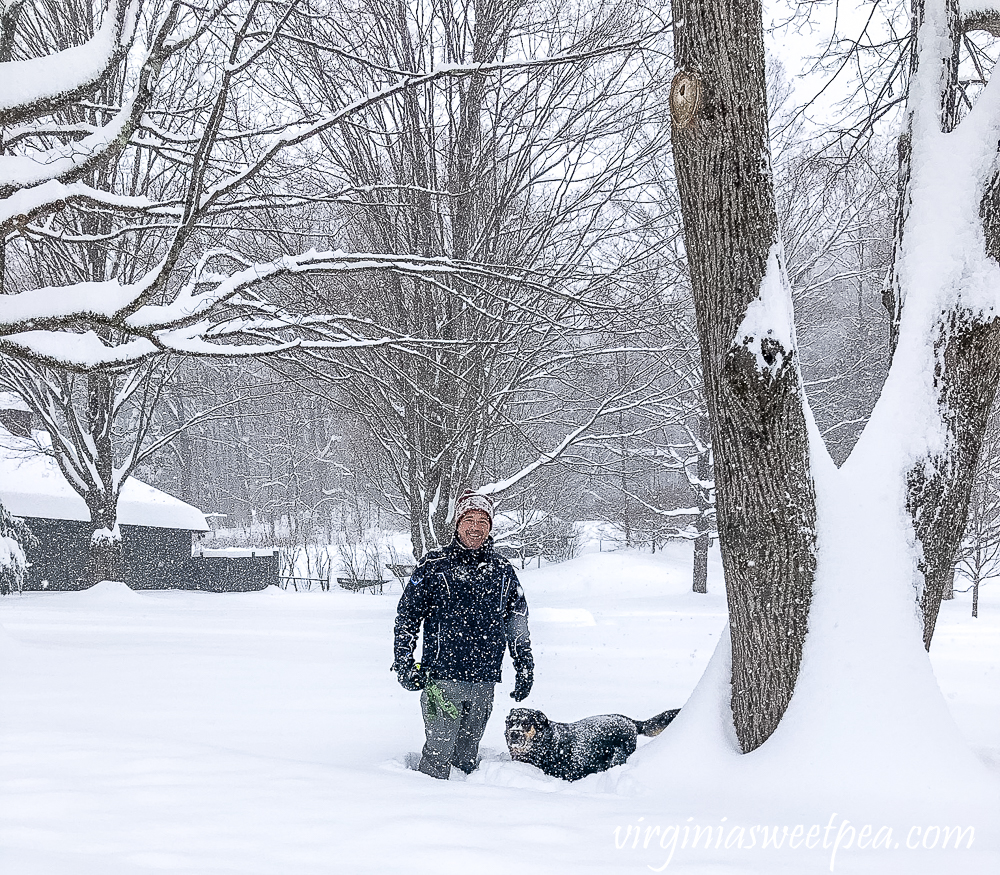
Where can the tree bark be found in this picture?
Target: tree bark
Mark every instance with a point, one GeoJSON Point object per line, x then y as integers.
{"type": "Point", "coordinates": [949, 587]}
{"type": "Point", "coordinates": [938, 488]}
{"type": "Point", "coordinates": [764, 490]}
{"type": "Point", "coordinates": [699, 575]}
{"type": "Point", "coordinates": [967, 366]}
{"type": "Point", "coordinates": [107, 560]}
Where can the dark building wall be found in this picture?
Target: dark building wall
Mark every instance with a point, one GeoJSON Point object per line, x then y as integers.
{"type": "Point", "coordinates": [155, 558]}
{"type": "Point", "coordinates": [59, 560]}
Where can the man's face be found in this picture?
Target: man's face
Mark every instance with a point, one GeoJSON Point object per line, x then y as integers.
{"type": "Point", "coordinates": [474, 528]}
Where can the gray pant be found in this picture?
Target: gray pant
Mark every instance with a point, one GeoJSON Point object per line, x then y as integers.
{"type": "Point", "coordinates": [454, 741]}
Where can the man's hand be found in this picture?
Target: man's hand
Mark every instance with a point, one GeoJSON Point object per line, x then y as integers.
{"type": "Point", "coordinates": [522, 684]}
{"type": "Point", "coordinates": [411, 678]}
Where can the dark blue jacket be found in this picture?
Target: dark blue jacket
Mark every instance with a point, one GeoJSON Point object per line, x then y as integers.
{"type": "Point", "coordinates": [471, 607]}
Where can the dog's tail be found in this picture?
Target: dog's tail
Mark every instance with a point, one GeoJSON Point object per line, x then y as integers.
{"type": "Point", "coordinates": [656, 725]}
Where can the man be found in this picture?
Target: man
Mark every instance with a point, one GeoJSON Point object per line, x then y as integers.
{"type": "Point", "coordinates": [472, 608]}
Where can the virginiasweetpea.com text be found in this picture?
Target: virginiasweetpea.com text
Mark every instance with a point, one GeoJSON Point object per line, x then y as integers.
{"type": "Point", "coordinates": [837, 837]}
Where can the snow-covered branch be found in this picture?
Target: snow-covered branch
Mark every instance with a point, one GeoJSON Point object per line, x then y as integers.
{"type": "Point", "coordinates": [137, 135]}
{"type": "Point", "coordinates": [184, 325]}
{"type": "Point", "coordinates": [35, 86]}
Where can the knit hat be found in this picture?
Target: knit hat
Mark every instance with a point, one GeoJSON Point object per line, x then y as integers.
{"type": "Point", "coordinates": [470, 500]}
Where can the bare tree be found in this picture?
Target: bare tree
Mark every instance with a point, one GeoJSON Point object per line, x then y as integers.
{"type": "Point", "coordinates": [531, 172]}
{"type": "Point", "coordinates": [765, 494]}
{"type": "Point", "coordinates": [946, 342]}
{"type": "Point", "coordinates": [99, 427]}
{"type": "Point", "coordinates": [269, 458]}
{"type": "Point", "coordinates": [185, 84]}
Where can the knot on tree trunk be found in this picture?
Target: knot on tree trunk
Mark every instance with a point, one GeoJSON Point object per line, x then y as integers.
{"type": "Point", "coordinates": [762, 374]}
{"type": "Point", "coordinates": [686, 99]}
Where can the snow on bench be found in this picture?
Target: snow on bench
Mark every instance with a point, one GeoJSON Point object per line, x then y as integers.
{"type": "Point", "coordinates": [359, 584]}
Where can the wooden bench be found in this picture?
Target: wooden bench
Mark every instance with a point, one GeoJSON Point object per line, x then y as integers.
{"type": "Point", "coordinates": [403, 572]}
{"type": "Point", "coordinates": [359, 585]}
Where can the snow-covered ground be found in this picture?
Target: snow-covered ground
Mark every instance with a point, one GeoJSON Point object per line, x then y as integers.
{"type": "Point", "coordinates": [264, 733]}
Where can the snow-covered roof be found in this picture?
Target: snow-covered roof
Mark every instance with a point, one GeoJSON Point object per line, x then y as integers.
{"type": "Point", "coordinates": [31, 485]}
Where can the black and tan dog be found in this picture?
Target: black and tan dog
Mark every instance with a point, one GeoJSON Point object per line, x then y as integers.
{"type": "Point", "coordinates": [573, 750]}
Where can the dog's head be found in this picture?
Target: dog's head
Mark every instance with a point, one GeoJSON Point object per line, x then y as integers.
{"type": "Point", "coordinates": [525, 732]}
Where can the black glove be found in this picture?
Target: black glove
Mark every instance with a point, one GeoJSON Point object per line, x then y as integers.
{"type": "Point", "coordinates": [411, 678]}
{"type": "Point", "coordinates": [522, 684]}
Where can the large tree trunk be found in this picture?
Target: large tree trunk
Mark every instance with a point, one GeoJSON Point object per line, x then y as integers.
{"type": "Point", "coordinates": [106, 558]}
{"type": "Point", "coordinates": [107, 561]}
{"type": "Point", "coordinates": [939, 485]}
{"type": "Point", "coordinates": [764, 489]}
{"type": "Point", "coordinates": [967, 345]}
